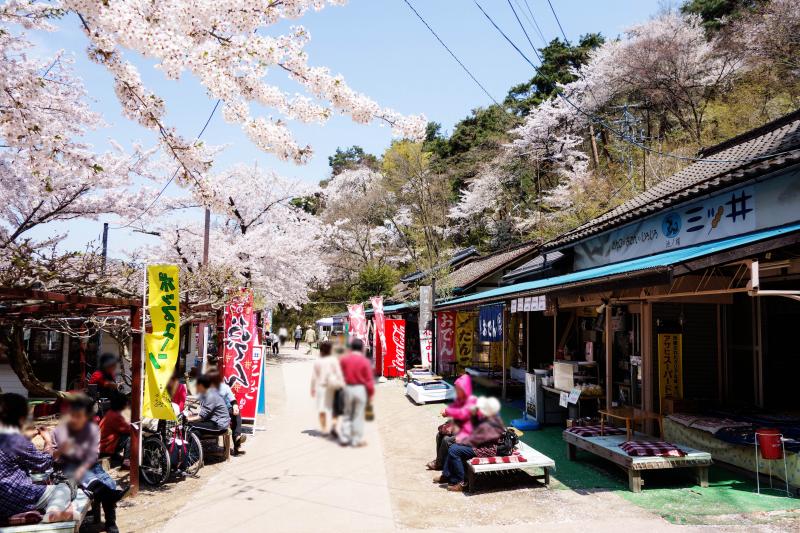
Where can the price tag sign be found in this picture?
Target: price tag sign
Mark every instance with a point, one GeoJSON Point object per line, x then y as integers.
{"type": "Point", "coordinates": [574, 394]}
{"type": "Point", "coordinates": [562, 399]}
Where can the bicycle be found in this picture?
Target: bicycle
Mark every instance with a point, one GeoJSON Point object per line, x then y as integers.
{"type": "Point", "coordinates": [174, 448]}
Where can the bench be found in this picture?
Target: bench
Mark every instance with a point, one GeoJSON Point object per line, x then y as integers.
{"type": "Point", "coordinates": [607, 447]}
{"type": "Point", "coordinates": [211, 437]}
{"type": "Point", "coordinates": [81, 503]}
{"type": "Point", "coordinates": [533, 463]}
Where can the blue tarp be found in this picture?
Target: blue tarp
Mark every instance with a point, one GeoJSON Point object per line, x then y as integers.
{"type": "Point", "coordinates": [663, 259]}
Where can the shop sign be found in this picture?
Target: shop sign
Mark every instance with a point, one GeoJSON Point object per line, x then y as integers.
{"type": "Point", "coordinates": [357, 321]}
{"type": "Point", "coordinates": [394, 359]}
{"type": "Point", "coordinates": [762, 205]}
{"type": "Point", "coordinates": [490, 323]}
{"type": "Point", "coordinates": [670, 366]}
{"type": "Point", "coordinates": [161, 344]}
{"type": "Point", "coordinates": [241, 368]}
{"type": "Point", "coordinates": [465, 339]}
{"type": "Point", "coordinates": [426, 347]}
{"type": "Point", "coordinates": [445, 337]}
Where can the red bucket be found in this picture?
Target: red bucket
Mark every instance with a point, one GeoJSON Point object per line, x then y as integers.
{"type": "Point", "coordinates": [769, 442]}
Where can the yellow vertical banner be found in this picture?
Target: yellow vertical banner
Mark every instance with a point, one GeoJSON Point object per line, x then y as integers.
{"type": "Point", "coordinates": [465, 339]}
{"type": "Point", "coordinates": [670, 366]}
{"type": "Point", "coordinates": [161, 344]}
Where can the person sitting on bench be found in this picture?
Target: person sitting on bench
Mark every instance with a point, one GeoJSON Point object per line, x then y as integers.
{"type": "Point", "coordinates": [18, 456]}
{"type": "Point", "coordinates": [460, 411]}
{"type": "Point", "coordinates": [78, 438]}
{"type": "Point", "coordinates": [213, 416]}
{"type": "Point", "coordinates": [488, 428]}
{"type": "Point", "coordinates": [115, 430]}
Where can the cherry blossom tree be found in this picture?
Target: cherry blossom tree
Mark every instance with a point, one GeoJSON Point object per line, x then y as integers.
{"type": "Point", "coordinates": [368, 226]}
{"type": "Point", "coordinates": [260, 240]}
{"type": "Point", "coordinates": [223, 44]}
{"type": "Point", "coordinates": [48, 173]}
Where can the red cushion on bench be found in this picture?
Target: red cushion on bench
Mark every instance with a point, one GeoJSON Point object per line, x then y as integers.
{"type": "Point", "coordinates": [497, 460]}
{"type": "Point", "coordinates": [643, 448]}
{"type": "Point", "coordinates": [594, 431]}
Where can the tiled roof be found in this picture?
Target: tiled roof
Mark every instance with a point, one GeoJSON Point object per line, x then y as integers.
{"type": "Point", "coordinates": [724, 167]}
{"type": "Point", "coordinates": [473, 271]}
{"type": "Point", "coordinates": [535, 264]}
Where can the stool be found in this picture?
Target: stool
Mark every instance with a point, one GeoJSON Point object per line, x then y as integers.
{"type": "Point", "coordinates": [207, 436]}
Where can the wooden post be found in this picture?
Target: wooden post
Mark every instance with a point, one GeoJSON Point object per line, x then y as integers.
{"type": "Point", "coordinates": [647, 356]}
{"type": "Point", "coordinates": [136, 396]}
{"type": "Point", "coordinates": [609, 345]}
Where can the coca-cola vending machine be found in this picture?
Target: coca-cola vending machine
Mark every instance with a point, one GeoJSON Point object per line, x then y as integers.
{"type": "Point", "coordinates": [394, 360]}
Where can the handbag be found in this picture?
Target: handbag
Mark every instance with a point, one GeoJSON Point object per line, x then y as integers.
{"type": "Point", "coordinates": [369, 412]}
{"type": "Point", "coordinates": [507, 443]}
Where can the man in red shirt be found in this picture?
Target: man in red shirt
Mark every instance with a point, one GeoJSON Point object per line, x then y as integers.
{"type": "Point", "coordinates": [359, 389]}
{"type": "Point", "coordinates": [105, 377]}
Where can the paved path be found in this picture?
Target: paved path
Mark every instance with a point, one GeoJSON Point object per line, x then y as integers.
{"type": "Point", "coordinates": [291, 479]}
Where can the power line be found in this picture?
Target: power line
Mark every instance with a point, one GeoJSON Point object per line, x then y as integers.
{"type": "Point", "coordinates": [535, 51]}
{"type": "Point", "coordinates": [451, 53]}
{"type": "Point", "coordinates": [599, 121]}
{"type": "Point", "coordinates": [558, 21]}
{"type": "Point", "coordinates": [532, 19]}
{"type": "Point", "coordinates": [174, 174]}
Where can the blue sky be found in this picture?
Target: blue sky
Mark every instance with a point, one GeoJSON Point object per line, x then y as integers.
{"type": "Point", "coordinates": [382, 50]}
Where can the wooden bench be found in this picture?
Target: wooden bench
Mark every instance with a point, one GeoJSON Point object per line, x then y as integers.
{"type": "Point", "coordinates": [607, 447]}
{"type": "Point", "coordinates": [535, 461]}
{"type": "Point", "coordinates": [81, 503]}
{"type": "Point", "coordinates": [227, 438]}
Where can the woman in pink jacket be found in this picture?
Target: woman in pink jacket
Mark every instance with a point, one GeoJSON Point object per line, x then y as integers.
{"type": "Point", "coordinates": [460, 411]}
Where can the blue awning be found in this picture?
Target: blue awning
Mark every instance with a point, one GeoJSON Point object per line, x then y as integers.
{"type": "Point", "coordinates": [394, 307]}
{"type": "Point", "coordinates": [664, 259]}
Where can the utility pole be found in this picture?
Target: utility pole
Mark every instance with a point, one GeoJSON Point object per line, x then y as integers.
{"type": "Point", "coordinates": [201, 326]}
{"type": "Point", "coordinates": [105, 247]}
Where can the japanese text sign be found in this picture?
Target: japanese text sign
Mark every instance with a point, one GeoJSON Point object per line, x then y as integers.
{"type": "Point", "coordinates": [445, 338]}
{"type": "Point", "coordinates": [670, 365]}
{"type": "Point", "coordinates": [241, 370]}
{"type": "Point", "coordinates": [161, 345]}
{"type": "Point", "coordinates": [490, 323]}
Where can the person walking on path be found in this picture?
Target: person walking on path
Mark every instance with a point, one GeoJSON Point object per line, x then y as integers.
{"type": "Point", "coordinates": [276, 342]}
{"type": "Point", "coordinates": [283, 335]}
{"type": "Point", "coordinates": [310, 338]}
{"type": "Point", "coordinates": [298, 336]}
{"type": "Point", "coordinates": [326, 379]}
{"type": "Point", "coordinates": [359, 389]}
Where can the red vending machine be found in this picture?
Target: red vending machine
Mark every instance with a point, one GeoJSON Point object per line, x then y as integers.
{"type": "Point", "coordinates": [394, 360]}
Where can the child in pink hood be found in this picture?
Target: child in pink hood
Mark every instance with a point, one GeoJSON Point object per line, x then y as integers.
{"type": "Point", "coordinates": [460, 411]}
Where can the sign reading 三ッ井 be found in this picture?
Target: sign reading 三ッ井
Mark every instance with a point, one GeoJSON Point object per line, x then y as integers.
{"type": "Point", "coordinates": [161, 344]}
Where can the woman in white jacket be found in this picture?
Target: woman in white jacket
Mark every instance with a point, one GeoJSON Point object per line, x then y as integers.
{"type": "Point", "coordinates": [326, 379]}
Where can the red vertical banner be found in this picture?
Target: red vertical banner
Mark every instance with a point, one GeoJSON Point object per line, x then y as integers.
{"type": "Point", "coordinates": [241, 367]}
{"type": "Point", "coordinates": [445, 338]}
{"type": "Point", "coordinates": [358, 321]}
{"type": "Point", "coordinates": [379, 331]}
{"type": "Point", "coordinates": [394, 358]}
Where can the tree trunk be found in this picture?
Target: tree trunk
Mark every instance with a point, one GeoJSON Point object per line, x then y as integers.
{"type": "Point", "coordinates": [18, 359]}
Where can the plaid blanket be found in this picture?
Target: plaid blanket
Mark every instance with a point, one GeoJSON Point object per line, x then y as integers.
{"type": "Point", "coordinates": [656, 448]}
{"type": "Point", "coordinates": [497, 460]}
{"type": "Point", "coordinates": [594, 431]}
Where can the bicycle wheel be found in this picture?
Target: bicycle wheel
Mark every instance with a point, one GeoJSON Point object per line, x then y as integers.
{"type": "Point", "coordinates": [194, 453]}
{"type": "Point", "coordinates": [155, 467]}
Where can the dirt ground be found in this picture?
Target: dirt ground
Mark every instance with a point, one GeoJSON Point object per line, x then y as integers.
{"type": "Point", "coordinates": [408, 432]}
